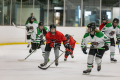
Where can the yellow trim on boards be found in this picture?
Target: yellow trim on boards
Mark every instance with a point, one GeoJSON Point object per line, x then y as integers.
{"type": "Point", "coordinates": [17, 43]}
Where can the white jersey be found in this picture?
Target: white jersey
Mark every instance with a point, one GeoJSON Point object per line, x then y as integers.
{"type": "Point", "coordinates": [98, 37]}
{"type": "Point", "coordinates": [40, 34]}
{"type": "Point", "coordinates": [32, 31]}
{"type": "Point", "coordinates": [110, 31]}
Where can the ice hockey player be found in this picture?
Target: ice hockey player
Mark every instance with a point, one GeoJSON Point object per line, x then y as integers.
{"type": "Point", "coordinates": [53, 40]}
{"type": "Point", "coordinates": [110, 30]}
{"type": "Point", "coordinates": [41, 32]}
{"type": "Point", "coordinates": [68, 51]}
{"type": "Point", "coordinates": [99, 44]}
{"type": "Point", "coordinates": [31, 28]}
{"type": "Point", "coordinates": [104, 22]}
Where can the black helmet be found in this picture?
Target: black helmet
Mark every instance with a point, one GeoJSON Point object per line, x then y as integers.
{"type": "Point", "coordinates": [32, 18]}
{"type": "Point", "coordinates": [91, 26]}
{"type": "Point", "coordinates": [67, 36]}
{"type": "Point", "coordinates": [104, 22]}
{"type": "Point", "coordinates": [115, 20]}
{"type": "Point", "coordinates": [41, 24]}
{"type": "Point", "coordinates": [52, 26]}
{"type": "Point", "coordinates": [103, 18]}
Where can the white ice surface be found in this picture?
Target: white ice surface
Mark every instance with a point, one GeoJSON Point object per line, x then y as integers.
{"type": "Point", "coordinates": [12, 69]}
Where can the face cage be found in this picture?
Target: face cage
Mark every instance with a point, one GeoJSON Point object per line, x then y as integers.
{"type": "Point", "coordinates": [52, 32]}
{"type": "Point", "coordinates": [40, 29]}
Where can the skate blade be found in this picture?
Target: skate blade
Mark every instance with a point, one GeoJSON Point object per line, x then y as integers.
{"type": "Point", "coordinates": [86, 73]}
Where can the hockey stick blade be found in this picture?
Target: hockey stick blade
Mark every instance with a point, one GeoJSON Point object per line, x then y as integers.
{"type": "Point", "coordinates": [17, 26]}
{"type": "Point", "coordinates": [21, 59]}
{"type": "Point", "coordinates": [14, 24]}
{"type": "Point", "coordinates": [43, 68]}
{"type": "Point", "coordinates": [26, 57]}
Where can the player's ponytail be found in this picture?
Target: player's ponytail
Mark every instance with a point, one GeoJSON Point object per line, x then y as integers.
{"type": "Point", "coordinates": [44, 32]}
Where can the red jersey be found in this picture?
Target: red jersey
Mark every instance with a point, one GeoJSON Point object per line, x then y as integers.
{"type": "Point", "coordinates": [72, 42]}
{"type": "Point", "coordinates": [101, 26]}
{"type": "Point", "coordinates": [57, 38]}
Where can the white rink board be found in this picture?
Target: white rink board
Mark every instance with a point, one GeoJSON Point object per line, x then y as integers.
{"type": "Point", "coordinates": [11, 34]}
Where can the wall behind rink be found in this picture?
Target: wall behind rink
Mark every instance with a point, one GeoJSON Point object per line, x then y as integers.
{"type": "Point", "coordinates": [11, 34]}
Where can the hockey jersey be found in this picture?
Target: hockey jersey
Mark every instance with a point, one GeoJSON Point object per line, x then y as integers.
{"type": "Point", "coordinates": [57, 38]}
{"type": "Point", "coordinates": [98, 37]}
{"type": "Point", "coordinates": [32, 29]}
{"type": "Point", "coordinates": [110, 31]}
{"type": "Point", "coordinates": [40, 34]}
{"type": "Point", "coordinates": [72, 42]}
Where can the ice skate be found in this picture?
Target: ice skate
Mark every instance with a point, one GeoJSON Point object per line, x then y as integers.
{"type": "Point", "coordinates": [87, 72]}
{"type": "Point", "coordinates": [43, 64]}
{"type": "Point", "coordinates": [65, 59]}
{"type": "Point", "coordinates": [56, 62]}
{"type": "Point", "coordinates": [72, 56]}
{"type": "Point", "coordinates": [113, 60]}
{"type": "Point", "coordinates": [99, 68]}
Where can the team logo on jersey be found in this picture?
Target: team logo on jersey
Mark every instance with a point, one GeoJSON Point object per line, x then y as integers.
{"type": "Point", "coordinates": [31, 27]}
{"type": "Point", "coordinates": [112, 33]}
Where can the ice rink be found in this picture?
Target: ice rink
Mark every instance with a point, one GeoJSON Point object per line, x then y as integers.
{"type": "Point", "coordinates": [12, 69]}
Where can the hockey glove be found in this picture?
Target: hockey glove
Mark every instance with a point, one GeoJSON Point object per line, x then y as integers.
{"type": "Point", "coordinates": [67, 45]}
{"type": "Point", "coordinates": [56, 45]}
{"type": "Point", "coordinates": [27, 29]}
{"type": "Point", "coordinates": [38, 46]}
{"type": "Point", "coordinates": [118, 41]}
{"type": "Point", "coordinates": [84, 50]}
{"type": "Point", "coordinates": [106, 47]}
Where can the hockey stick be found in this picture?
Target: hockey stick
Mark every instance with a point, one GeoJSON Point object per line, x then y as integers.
{"type": "Point", "coordinates": [95, 48]}
{"type": "Point", "coordinates": [17, 26]}
{"type": "Point", "coordinates": [52, 62]}
{"type": "Point", "coordinates": [27, 56]}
